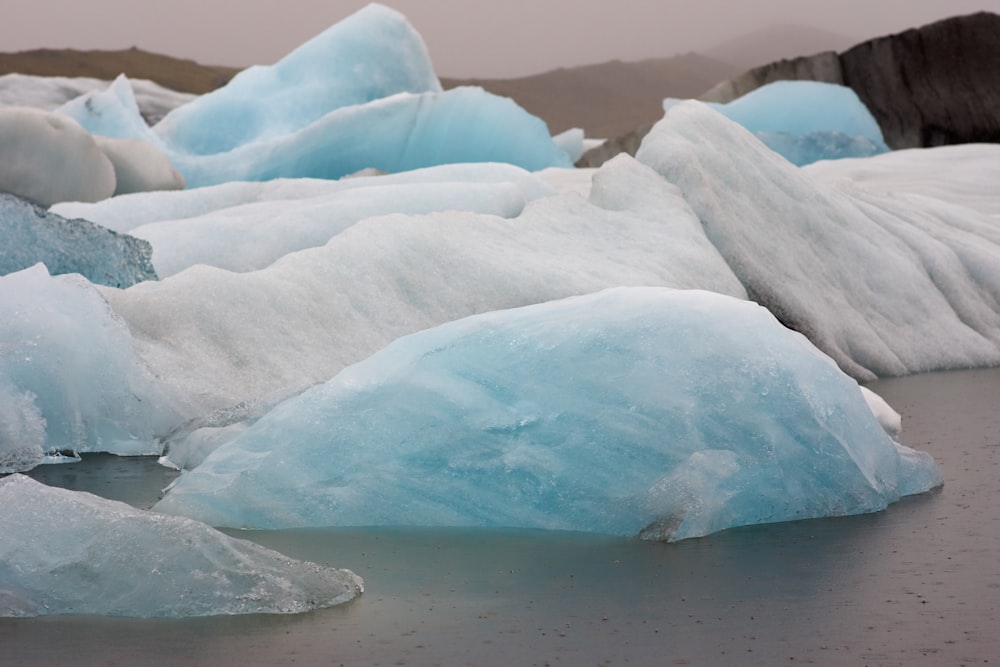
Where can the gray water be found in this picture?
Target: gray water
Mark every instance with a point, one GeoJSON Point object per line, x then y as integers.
{"type": "Point", "coordinates": [916, 584]}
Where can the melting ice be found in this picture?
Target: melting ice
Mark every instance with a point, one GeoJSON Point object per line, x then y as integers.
{"type": "Point", "coordinates": [665, 413]}
{"type": "Point", "coordinates": [67, 552]}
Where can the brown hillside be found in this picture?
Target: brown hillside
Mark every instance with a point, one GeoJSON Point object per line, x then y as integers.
{"type": "Point", "coordinates": [608, 99]}
{"type": "Point", "coordinates": [185, 76]}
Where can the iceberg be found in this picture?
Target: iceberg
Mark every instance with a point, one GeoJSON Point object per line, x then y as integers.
{"type": "Point", "coordinates": [361, 95]}
{"type": "Point", "coordinates": [48, 158]}
{"type": "Point", "coordinates": [372, 54]}
{"type": "Point", "coordinates": [884, 285]}
{"type": "Point", "coordinates": [397, 133]}
{"type": "Point", "coordinates": [805, 121]}
{"type": "Point", "coordinates": [634, 411]}
{"type": "Point", "coordinates": [69, 377]}
{"type": "Point", "coordinates": [29, 235]}
{"type": "Point", "coordinates": [139, 166]}
{"type": "Point", "coordinates": [66, 552]}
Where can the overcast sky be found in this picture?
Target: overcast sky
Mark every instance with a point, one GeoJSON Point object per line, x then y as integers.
{"type": "Point", "coordinates": [465, 37]}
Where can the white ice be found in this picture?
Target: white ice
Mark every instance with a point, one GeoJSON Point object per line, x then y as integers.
{"type": "Point", "coordinates": [266, 221]}
{"type": "Point", "coordinates": [51, 92]}
{"type": "Point", "coordinates": [66, 552]}
{"type": "Point", "coordinates": [651, 411]}
{"type": "Point", "coordinates": [884, 285]}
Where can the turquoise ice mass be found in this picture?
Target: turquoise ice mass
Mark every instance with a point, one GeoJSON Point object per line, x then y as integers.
{"type": "Point", "coordinates": [334, 294]}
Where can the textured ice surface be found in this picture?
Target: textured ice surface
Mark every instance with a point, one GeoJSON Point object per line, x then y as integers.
{"type": "Point", "coordinates": [29, 235]}
{"type": "Point", "coordinates": [805, 121]}
{"type": "Point", "coordinates": [66, 552]}
{"type": "Point", "coordinates": [668, 413]}
{"type": "Point", "coordinates": [49, 158]}
{"type": "Point", "coordinates": [272, 219]}
{"type": "Point", "coordinates": [218, 338]}
{"type": "Point", "coordinates": [68, 370]}
{"type": "Point", "coordinates": [966, 174]}
{"type": "Point", "coordinates": [884, 285]}
{"type": "Point", "coordinates": [111, 112]}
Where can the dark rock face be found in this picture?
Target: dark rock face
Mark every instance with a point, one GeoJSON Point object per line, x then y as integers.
{"type": "Point", "coordinates": [930, 86]}
{"type": "Point", "coordinates": [29, 234]}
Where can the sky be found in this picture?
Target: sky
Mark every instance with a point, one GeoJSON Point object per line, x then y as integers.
{"type": "Point", "coordinates": [465, 37]}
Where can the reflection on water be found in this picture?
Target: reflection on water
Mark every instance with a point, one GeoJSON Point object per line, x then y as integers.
{"type": "Point", "coordinates": [919, 582]}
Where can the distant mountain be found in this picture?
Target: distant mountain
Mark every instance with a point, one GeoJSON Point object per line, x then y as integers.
{"type": "Point", "coordinates": [610, 98]}
{"type": "Point", "coordinates": [930, 86]}
{"type": "Point", "coordinates": [775, 43]}
{"type": "Point", "coordinates": [184, 76]}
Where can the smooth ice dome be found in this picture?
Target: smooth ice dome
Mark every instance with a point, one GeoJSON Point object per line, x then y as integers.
{"type": "Point", "coordinates": [48, 158]}
{"type": "Point", "coordinates": [805, 121]}
{"type": "Point", "coordinates": [651, 411]}
{"type": "Point", "coordinates": [66, 552]}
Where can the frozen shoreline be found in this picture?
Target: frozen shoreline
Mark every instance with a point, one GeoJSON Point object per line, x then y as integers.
{"type": "Point", "coordinates": [918, 580]}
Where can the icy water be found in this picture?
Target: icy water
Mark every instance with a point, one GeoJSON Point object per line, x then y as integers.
{"type": "Point", "coordinates": [918, 584]}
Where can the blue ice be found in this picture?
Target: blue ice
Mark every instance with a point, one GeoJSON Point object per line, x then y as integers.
{"type": "Point", "coordinates": [66, 552]}
{"type": "Point", "coordinates": [361, 94]}
{"type": "Point", "coordinates": [633, 411]}
{"type": "Point", "coordinates": [805, 121]}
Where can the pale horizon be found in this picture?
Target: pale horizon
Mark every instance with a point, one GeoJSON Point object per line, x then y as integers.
{"type": "Point", "coordinates": [465, 39]}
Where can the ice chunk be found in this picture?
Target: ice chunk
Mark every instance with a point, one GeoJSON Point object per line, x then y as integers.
{"type": "Point", "coordinates": [49, 158]}
{"type": "Point", "coordinates": [372, 54]}
{"type": "Point", "coordinates": [112, 112]}
{"type": "Point", "coordinates": [884, 285]}
{"type": "Point", "coordinates": [635, 410]}
{"type": "Point", "coordinates": [66, 552]}
{"type": "Point", "coordinates": [397, 133]}
{"type": "Point", "coordinates": [381, 107]}
{"type": "Point", "coordinates": [806, 149]}
{"type": "Point", "coordinates": [805, 121]}
{"type": "Point", "coordinates": [139, 166]}
{"type": "Point", "coordinates": [29, 235]}
{"type": "Point", "coordinates": [68, 363]}
{"type": "Point", "coordinates": [51, 92]}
